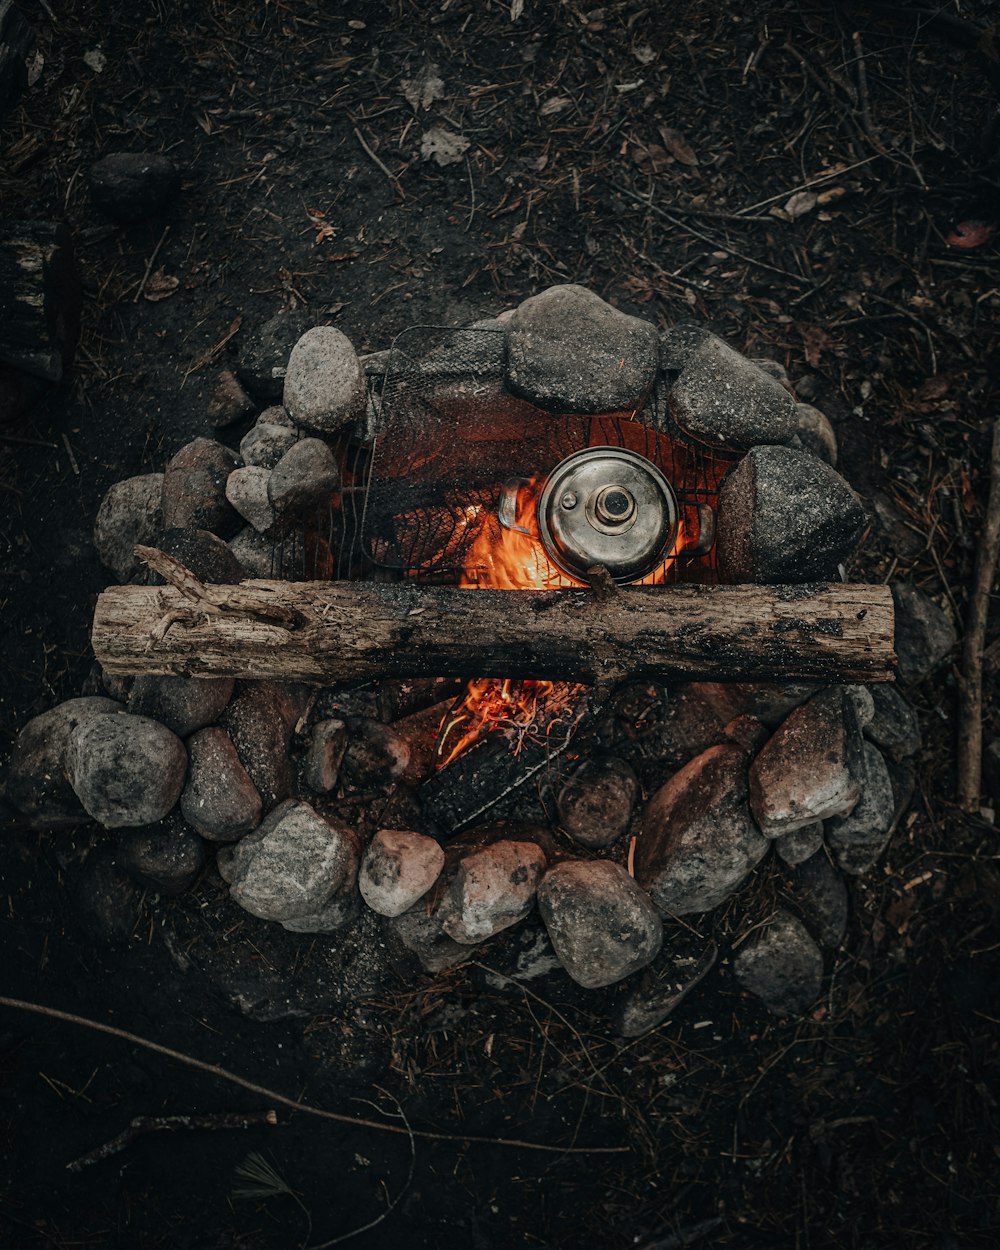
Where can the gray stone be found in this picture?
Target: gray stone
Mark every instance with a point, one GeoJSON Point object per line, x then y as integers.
{"type": "Point", "coordinates": [746, 732]}
{"type": "Point", "coordinates": [698, 842]}
{"type": "Point", "coordinates": [491, 889]}
{"type": "Point", "coordinates": [337, 914]}
{"type": "Point", "coordinates": [767, 702]}
{"type": "Point", "coordinates": [265, 444]}
{"type": "Point", "coordinates": [569, 351]}
{"type": "Point", "coordinates": [219, 799]}
{"type": "Point", "coordinates": [327, 745]}
{"type": "Point", "coordinates": [601, 924]}
{"type": "Point", "coordinates": [166, 857]}
{"type": "Point", "coordinates": [131, 186]}
{"type": "Point", "coordinates": [682, 965]}
{"type": "Point", "coordinates": [858, 839]}
{"type": "Point", "coordinates": [398, 868]}
{"type": "Point", "coordinates": [264, 353]}
{"type": "Point", "coordinates": [255, 553]}
{"type": "Point", "coordinates": [260, 720]}
{"type": "Point", "coordinates": [894, 727]}
{"type": "Point", "coordinates": [105, 898]}
{"type": "Point", "coordinates": [721, 397]}
{"type": "Point", "coordinates": [324, 385]}
{"type": "Point", "coordinates": [183, 704]}
{"type": "Point", "coordinates": [785, 516]}
{"type": "Point", "coordinates": [782, 965]}
{"type": "Point", "coordinates": [304, 479]}
{"type": "Point", "coordinates": [194, 488]}
{"type": "Point", "coordinates": [798, 845]}
{"type": "Point", "coordinates": [864, 703]}
{"type": "Point", "coordinates": [375, 754]}
{"type": "Point", "coordinates": [247, 491]}
{"type": "Point", "coordinates": [685, 725]}
{"type": "Point", "coordinates": [773, 368]}
{"type": "Point", "coordinates": [229, 403]}
{"type": "Point", "coordinates": [419, 931]}
{"type": "Point", "coordinates": [815, 434]}
{"type": "Point", "coordinates": [130, 513]}
{"type": "Point", "coordinates": [37, 784]}
{"type": "Point", "coordinates": [819, 892]}
{"type": "Point", "coordinates": [126, 770]}
{"type": "Point", "coordinates": [924, 634]}
{"type": "Point", "coordinates": [809, 768]}
{"type": "Point", "coordinates": [595, 806]}
{"type": "Point", "coordinates": [294, 867]}
{"type": "Point", "coordinates": [204, 553]}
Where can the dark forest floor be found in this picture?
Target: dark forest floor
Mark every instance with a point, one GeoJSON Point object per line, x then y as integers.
{"type": "Point", "coordinates": [648, 152]}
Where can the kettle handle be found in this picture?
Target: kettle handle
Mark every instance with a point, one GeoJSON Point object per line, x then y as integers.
{"type": "Point", "coordinates": [507, 509]}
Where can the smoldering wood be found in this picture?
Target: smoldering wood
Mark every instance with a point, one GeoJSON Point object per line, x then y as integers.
{"type": "Point", "coordinates": [39, 298]}
{"type": "Point", "coordinates": [326, 632]}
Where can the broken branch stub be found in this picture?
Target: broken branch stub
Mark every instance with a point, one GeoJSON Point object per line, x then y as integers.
{"type": "Point", "coordinates": [326, 632]}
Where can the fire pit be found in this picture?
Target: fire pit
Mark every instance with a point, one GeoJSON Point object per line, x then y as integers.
{"type": "Point", "coordinates": [548, 615]}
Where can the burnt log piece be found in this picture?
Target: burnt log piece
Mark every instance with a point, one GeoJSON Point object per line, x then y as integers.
{"type": "Point", "coordinates": [39, 299]}
{"type": "Point", "coordinates": [326, 632]}
{"type": "Point", "coordinates": [16, 43]}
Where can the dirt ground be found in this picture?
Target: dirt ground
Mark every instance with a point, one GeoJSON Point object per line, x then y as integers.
{"type": "Point", "coordinates": [659, 155]}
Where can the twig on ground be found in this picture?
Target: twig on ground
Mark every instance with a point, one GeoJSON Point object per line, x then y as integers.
{"type": "Point", "coordinates": [384, 168]}
{"type": "Point", "coordinates": [689, 1236]}
{"type": "Point", "coordinates": [69, 1017]}
{"type": "Point", "coordinates": [863, 98]}
{"type": "Point", "coordinates": [149, 266]}
{"type": "Point", "coordinates": [143, 1124]}
{"type": "Point", "coordinates": [970, 685]}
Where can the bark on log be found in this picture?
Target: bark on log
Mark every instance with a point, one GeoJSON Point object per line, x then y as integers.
{"type": "Point", "coordinates": [39, 298]}
{"type": "Point", "coordinates": [326, 632]}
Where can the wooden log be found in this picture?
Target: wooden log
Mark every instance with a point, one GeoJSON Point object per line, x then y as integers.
{"type": "Point", "coordinates": [327, 632]}
{"type": "Point", "coordinates": [16, 43]}
{"type": "Point", "coordinates": [39, 298]}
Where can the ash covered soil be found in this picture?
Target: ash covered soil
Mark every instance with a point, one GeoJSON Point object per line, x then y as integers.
{"type": "Point", "coordinates": [653, 157]}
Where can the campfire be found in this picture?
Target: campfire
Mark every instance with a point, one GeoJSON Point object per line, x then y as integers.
{"type": "Point", "coordinates": [648, 520]}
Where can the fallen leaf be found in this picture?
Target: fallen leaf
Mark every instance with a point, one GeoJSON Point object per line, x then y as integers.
{"type": "Point", "coordinates": [678, 146]}
{"type": "Point", "coordinates": [644, 54]}
{"type": "Point", "coordinates": [801, 203]}
{"type": "Point", "coordinates": [556, 105]}
{"type": "Point", "coordinates": [815, 341]}
{"type": "Point", "coordinates": [443, 146]}
{"type": "Point", "coordinates": [95, 59]}
{"type": "Point", "coordinates": [160, 286]}
{"type": "Point", "coordinates": [651, 158]}
{"type": "Point", "coordinates": [830, 196]}
{"type": "Point", "coordinates": [516, 9]}
{"type": "Point", "coordinates": [420, 93]}
{"type": "Point", "coordinates": [972, 233]}
{"type": "Point", "coordinates": [34, 66]}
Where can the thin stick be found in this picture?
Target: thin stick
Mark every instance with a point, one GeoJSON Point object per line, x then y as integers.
{"type": "Point", "coordinates": [149, 268]}
{"type": "Point", "coordinates": [866, 112]}
{"type": "Point", "coordinates": [224, 1074]}
{"type": "Point", "coordinates": [388, 173]}
{"type": "Point", "coordinates": [805, 186]}
{"type": "Point", "coordinates": [169, 1124]}
{"type": "Point", "coordinates": [970, 685]}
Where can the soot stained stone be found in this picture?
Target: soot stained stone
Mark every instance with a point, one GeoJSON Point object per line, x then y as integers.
{"type": "Point", "coordinates": [782, 965]}
{"type": "Point", "coordinates": [859, 838]}
{"type": "Point", "coordinates": [595, 805]}
{"type": "Point", "coordinates": [247, 491]}
{"type": "Point", "coordinates": [683, 963]}
{"type": "Point", "coordinates": [166, 857]}
{"type": "Point", "coordinates": [130, 513]}
{"type": "Point", "coordinates": [204, 553]}
{"type": "Point", "coordinates": [569, 351]}
{"type": "Point", "coordinates": [767, 702]}
{"type": "Point", "coordinates": [326, 752]}
{"type": "Point", "coordinates": [602, 925]}
{"type": "Point", "coordinates": [785, 516]}
{"type": "Point", "coordinates": [265, 444]}
{"type": "Point", "coordinates": [893, 728]}
{"type": "Point", "coordinates": [814, 433]}
{"type": "Point", "coordinates": [256, 556]}
{"type": "Point", "coordinates": [298, 866]}
{"type": "Point", "coordinates": [304, 478]}
{"type": "Point", "coordinates": [265, 351]}
{"type": "Point", "coordinates": [799, 844]}
{"type": "Point", "coordinates": [698, 842]}
{"type": "Point", "coordinates": [820, 894]}
{"type": "Point", "coordinates": [721, 397]}
{"type": "Point", "coordinates": [420, 932]}
{"type": "Point", "coordinates": [491, 889]}
{"type": "Point", "coordinates": [106, 899]}
{"type": "Point", "coordinates": [260, 720]}
{"type": "Point", "coordinates": [126, 770]}
{"type": "Point", "coordinates": [324, 384]}
{"type": "Point", "coordinates": [376, 753]}
{"type": "Point", "coordinates": [37, 782]}
{"type": "Point", "coordinates": [219, 799]}
{"type": "Point", "coordinates": [924, 634]}
{"type": "Point", "coordinates": [183, 704]}
{"type": "Point", "coordinates": [230, 402]}
{"type": "Point", "coordinates": [810, 767]}
{"type": "Point", "coordinates": [398, 868]}
{"type": "Point", "coordinates": [130, 186]}
{"type": "Point", "coordinates": [194, 488]}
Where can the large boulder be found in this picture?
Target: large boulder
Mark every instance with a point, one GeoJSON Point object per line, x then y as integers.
{"type": "Point", "coordinates": [130, 513]}
{"type": "Point", "coordinates": [126, 770]}
{"type": "Point", "coordinates": [785, 516]}
{"type": "Point", "coordinates": [569, 351]}
{"type": "Point", "coordinates": [37, 781]}
{"type": "Point", "coordinates": [601, 924]}
{"type": "Point", "coordinates": [698, 842]}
